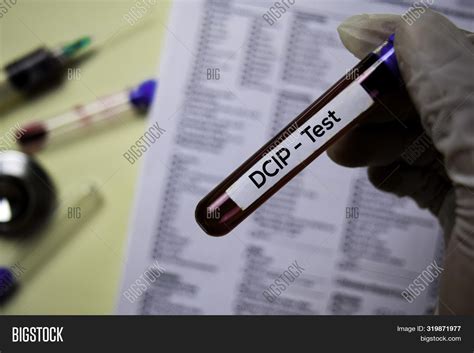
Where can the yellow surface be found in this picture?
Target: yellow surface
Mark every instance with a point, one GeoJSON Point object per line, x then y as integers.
{"type": "Point", "coordinates": [83, 278]}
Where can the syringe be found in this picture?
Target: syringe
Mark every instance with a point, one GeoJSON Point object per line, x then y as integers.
{"type": "Point", "coordinates": [38, 71]}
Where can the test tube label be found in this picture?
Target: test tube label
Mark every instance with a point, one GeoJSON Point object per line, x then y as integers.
{"type": "Point", "coordinates": [300, 145]}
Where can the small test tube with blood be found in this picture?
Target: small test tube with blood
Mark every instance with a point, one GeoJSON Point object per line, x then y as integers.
{"type": "Point", "coordinates": [35, 136]}
{"type": "Point", "coordinates": [32, 254]}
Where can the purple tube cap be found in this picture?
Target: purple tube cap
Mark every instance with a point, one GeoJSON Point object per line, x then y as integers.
{"type": "Point", "coordinates": [7, 283]}
{"type": "Point", "coordinates": [142, 96]}
{"type": "Point", "coordinates": [387, 52]}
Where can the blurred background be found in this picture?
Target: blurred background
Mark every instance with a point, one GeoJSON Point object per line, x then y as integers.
{"type": "Point", "coordinates": [84, 276]}
{"type": "Point", "coordinates": [74, 266]}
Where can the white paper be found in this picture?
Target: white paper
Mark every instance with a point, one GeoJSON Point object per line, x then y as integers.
{"type": "Point", "coordinates": [228, 82]}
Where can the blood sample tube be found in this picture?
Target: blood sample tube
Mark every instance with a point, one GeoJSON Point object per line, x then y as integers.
{"type": "Point", "coordinates": [301, 141]}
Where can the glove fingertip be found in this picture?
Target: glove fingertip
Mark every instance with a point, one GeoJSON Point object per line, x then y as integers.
{"type": "Point", "coordinates": [361, 34]}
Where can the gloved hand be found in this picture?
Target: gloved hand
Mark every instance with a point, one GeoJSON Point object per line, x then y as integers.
{"type": "Point", "coordinates": [432, 162]}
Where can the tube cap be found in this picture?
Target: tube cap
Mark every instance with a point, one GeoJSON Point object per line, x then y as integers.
{"type": "Point", "coordinates": [142, 96]}
{"type": "Point", "coordinates": [386, 52]}
{"type": "Point", "coordinates": [7, 283]}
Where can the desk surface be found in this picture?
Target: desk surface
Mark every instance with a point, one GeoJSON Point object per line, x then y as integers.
{"type": "Point", "coordinates": [83, 278]}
